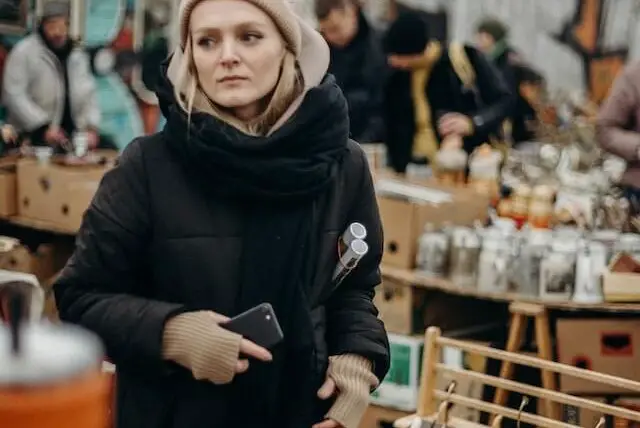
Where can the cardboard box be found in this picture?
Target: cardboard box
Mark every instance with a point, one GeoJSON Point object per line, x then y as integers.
{"type": "Point", "coordinates": [56, 194]}
{"type": "Point", "coordinates": [44, 262]}
{"type": "Point", "coordinates": [399, 388]}
{"type": "Point", "coordinates": [621, 280]}
{"type": "Point", "coordinates": [630, 404]}
{"type": "Point", "coordinates": [14, 256]}
{"type": "Point", "coordinates": [401, 307]}
{"type": "Point", "coordinates": [8, 191]}
{"type": "Point", "coordinates": [610, 346]}
{"type": "Point", "coordinates": [406, 207]}
{"type": "Point", "coordinates": [582, 417]}
{"type": "Point", "coordinates": [407, 309]}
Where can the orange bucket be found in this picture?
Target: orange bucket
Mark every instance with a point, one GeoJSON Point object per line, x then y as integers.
{"type": "Point", "coordinates": [54, 381]}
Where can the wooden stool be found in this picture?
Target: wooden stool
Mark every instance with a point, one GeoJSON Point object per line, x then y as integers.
{"type": "Point", "coordinates": [520, 312]}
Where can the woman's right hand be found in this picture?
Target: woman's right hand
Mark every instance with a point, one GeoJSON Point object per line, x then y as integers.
{"type": "Point", "coordinates": [195, 340]}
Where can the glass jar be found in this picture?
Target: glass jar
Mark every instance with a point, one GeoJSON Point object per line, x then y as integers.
{"type": "Point", "coordinates": [465, 250]}
{"type": "Point", "coordinates": [50, 376]}
{"type": "Point", "coordinates": [433, 250]}
{"type": "Point", "coordinates": [484, 171]}
{"type": "Point", "coordinates": [534, 246]}
{"type": "Point", "coordinates": [557, 269]}
{"type": "Point", "coordinates": [608, 238]}
{"type": "Point", "coordinates": [591, 263]}
{"type": "Point", "coordinates": [493, 263]}
{"type": "Point", "coordinates": [451, 165]}
{"type": "Point", "coordinates": [628, 243]}
{"type": "Point", "coordinates": [520, 204]}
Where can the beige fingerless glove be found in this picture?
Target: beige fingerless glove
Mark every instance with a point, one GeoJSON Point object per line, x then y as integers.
{"type": "Point", "coordinates": [196, 341]}
{"type": "Point", "coordinates": [354, 380]}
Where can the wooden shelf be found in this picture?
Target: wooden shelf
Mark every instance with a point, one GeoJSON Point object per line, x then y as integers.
{"type": "Point", "coordinates": [38, 225]}
{"type": "Point", "coordinates": [442, 284]}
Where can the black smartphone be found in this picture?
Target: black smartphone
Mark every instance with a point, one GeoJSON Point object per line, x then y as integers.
{"type": "Point", "coordinates": [258, 324]}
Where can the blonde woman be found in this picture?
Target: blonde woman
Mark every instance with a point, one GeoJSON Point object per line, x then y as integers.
{"type": "Point", "coordinates": [240, 200]}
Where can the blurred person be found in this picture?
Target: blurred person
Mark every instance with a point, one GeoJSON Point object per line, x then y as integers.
{"type": "Point", "coordinates": [357, 62]}
{"type": "Point", "coordinates": [238, 201]}
{"type": "Point", "coordinates": [155, 47]}
{"type": "Point", "coordinates": [618, 126]}
{"type": "Point", "coordinates": [8, 137]}
{"type": "Point", "coordinates": [492, 40]}
{"type": "Point", "coordinates": [48, 89]}
{"type": "Point", "coordinates": [427, 105]}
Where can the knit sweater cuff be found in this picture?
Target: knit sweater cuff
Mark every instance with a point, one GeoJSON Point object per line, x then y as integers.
{"type": "Point", "coordinates": [354, 380]}
{"type": "Point", "coordinates": [196, 341]}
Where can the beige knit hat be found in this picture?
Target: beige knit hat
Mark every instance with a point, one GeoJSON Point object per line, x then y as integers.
{"type": "Point", "coordinates": [308, 46]}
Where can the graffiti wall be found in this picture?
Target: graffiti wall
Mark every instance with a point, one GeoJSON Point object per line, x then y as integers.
{"type": "Point", "coordinates": [577, 44]}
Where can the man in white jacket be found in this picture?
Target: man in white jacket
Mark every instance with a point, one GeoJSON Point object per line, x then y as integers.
{"type": "Point", "coordinates": [48, 89]}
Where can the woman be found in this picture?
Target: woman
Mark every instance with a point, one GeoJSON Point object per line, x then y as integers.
{"type": "Point", "coordinates": [618, 127]}
{"type": "Point", "coordinates": [240, 200]}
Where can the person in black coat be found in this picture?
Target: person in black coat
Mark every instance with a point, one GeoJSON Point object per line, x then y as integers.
{"type": "Point", "coordinates": [238, 201]}
{"type": "Point", "coordinates": [358, 64]}
{"type": "Point", "coordinates": [492, 39]}
{"type": "Point", "coordinates": [427, 103]}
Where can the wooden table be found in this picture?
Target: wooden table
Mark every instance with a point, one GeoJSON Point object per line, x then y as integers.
{"type": "Point", "coordinates": [418, 279]}
{"type": "Point", "coordinates": [40, 225]}
{"type": "Point", "coordinates": [522, 308]}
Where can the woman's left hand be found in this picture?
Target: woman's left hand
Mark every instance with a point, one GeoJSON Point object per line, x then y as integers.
{"type": "Point", "coordinates": [349, 378]}
{"type": "Point", "coordinates": [327, 390]}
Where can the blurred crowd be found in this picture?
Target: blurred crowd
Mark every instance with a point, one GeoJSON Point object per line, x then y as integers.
{"type": "Point", "coordinates": [416, 93]}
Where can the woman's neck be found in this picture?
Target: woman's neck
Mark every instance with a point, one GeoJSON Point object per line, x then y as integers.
{"type": "Point", "coordinates": [247, 113]}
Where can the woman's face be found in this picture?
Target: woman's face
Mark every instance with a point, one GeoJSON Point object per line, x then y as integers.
{"type": "Point", "coordinates": [237, 53]}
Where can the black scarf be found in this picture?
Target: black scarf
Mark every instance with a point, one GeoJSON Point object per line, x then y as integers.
{"type": "Point", "coordinates": [280, 180]}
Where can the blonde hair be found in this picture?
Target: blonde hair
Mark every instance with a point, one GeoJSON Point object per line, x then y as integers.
{"type": "Point", "coordinates": [190, 94]}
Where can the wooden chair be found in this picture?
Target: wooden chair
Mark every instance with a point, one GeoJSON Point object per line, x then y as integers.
{"type": "Point", "coordinates": [433, 404]}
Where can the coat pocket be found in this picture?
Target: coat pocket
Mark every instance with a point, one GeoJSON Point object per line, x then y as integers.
{"type": "Point", "coordinates": [327, 261]}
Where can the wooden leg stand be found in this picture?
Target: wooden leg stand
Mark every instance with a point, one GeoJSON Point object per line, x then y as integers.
{"type": "Point", "coordinates": [520, 312]}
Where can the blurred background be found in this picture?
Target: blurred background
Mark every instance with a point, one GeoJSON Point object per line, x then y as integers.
{"type": "Point", "coordinates": [577, 45]}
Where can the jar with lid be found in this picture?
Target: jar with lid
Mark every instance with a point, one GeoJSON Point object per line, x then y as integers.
{"type": "Point", "coordinates": [541, 207]}
{"type": "Point", "coordinates": [493, 263]}
{"type": "Point", "coordinates": [506, 225]}
{"type": "Point", "coordinates": [484, 171]}
{"type": "Point", "coordinates": [504, 208]}
{"type": "Point", "coordinates": [557, 269]}
{"type": "Point", "coordinates": [465, 250]}
{"type": "Point", "coordinates": [51, 377]}
{"type": "Point", "coordinates": [591, 264]}
{"type": "Point", "coordinates": [608, 238]}
{"type": "Point", "coordinates": [628, 243]}
{"type": "Point", "coordinates": [450, 166]}
{"type": "Point", "coordinates": [568, 232]}
{"type": "Point", "coordinates": [433, 249]}
{"type": "Point", "coordinates": [535, 244]}
{"type": "Point", "coordinates": [520, 204]}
